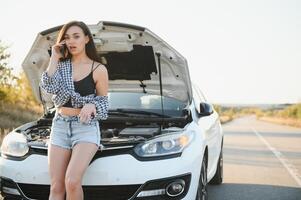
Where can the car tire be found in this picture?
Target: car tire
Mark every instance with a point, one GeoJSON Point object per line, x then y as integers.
{"type": "Point", "coordinates": [202, 192]}
{"type": "Point", "coordinates": [219, 174]}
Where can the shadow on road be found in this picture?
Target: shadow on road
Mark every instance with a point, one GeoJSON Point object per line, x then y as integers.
{"type": "Point", "coordinates": [232, 191]}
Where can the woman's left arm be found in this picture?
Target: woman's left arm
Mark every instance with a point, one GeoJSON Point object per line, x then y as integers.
{"type": "Point", "coordinates": [99, 104]}
{"type": "Point", "coordinates": [101, 99]}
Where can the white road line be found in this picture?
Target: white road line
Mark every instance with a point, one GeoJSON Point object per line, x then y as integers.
{"type": "Point", "coordinates": [288, 166]}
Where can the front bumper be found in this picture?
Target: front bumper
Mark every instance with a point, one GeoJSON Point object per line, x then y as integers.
{"type": "Point", "coordinates": [9, 188]}
{"type": "Point", "coordinates": [118, 177]}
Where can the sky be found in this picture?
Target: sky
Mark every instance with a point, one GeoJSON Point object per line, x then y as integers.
{"type": "Point", "coordinates": [238, 51]}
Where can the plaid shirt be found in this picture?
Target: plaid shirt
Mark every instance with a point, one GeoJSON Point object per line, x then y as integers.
{"type": "Point", "coordinates": [62, 87]}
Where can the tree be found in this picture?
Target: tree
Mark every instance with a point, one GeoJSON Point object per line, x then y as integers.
{"type": "Point", "coordinates": [14, 89]}
{"type": "Point", "coordinates": [24, 91]}
{"type": "Point", "coordinates": [7, 79]}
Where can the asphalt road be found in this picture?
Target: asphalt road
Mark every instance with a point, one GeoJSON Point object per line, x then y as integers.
{"type": "Point", "coordinates": [262, 161]}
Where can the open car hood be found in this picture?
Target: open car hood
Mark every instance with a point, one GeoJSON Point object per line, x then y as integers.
{"type": "Point", "coordinates": [132, 59]}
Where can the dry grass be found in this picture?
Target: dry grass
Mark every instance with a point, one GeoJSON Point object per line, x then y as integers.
{"type": "Point", "coordinates": [224, 119]}
{"type": "Point", "coordinates": [283, 121]}
{"type": "Point", "coordinates": [12, 116]}
{"type": "Point", "coordinates": [15, 115]}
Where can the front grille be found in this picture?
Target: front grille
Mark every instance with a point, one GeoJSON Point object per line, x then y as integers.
{"type": "Point", "coordinates": [117, 192]}
{"type": "Point", "coordinates": [7, 183]}
{"type": "Point", "coordinates": [33, 191]}
{"type": "Point", "coordinates": [110, 192]}
{"type": "Point", "coordinates": [110, 150]}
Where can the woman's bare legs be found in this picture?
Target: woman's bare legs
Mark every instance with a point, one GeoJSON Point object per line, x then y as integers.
{"type": "Point", "coordinates": [58, 159]}
{"type": "Point", "coordinates": [82, 154]}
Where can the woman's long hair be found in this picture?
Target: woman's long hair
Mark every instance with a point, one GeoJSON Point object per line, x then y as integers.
{"type": "Point", "coordinates": [90, 46]}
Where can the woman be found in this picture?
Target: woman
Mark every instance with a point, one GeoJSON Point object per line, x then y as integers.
{"type": "Point", "coordinates": [79, 83]}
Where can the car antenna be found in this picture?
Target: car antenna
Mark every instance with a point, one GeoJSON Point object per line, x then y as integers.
{"type": "Point", "coordinates": [158, 54]}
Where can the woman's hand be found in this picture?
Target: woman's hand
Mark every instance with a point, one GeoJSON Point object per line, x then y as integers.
{"type": "Point", "coordinates": [55, 56]}
{"type": "Point", "coordinates": [86, 112]}
{"type": "Point", "coordinates": [56, 50]}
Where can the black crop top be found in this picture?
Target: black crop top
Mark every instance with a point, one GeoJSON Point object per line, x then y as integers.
{"type": "Point", "coordinates": [84, 86]}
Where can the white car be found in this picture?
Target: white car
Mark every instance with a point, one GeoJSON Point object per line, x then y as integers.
{"type": "Point", "coordinates": [161, 141]}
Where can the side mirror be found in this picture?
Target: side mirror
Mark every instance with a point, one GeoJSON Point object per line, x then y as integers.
{"type": "Point", "coordinates": [205, 109]}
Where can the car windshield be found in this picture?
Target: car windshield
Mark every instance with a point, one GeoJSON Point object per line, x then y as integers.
{"type": "Point", "coordinates": [126, 101]}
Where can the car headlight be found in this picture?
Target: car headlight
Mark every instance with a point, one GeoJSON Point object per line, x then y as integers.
{"type": "Point", "coordinates": [165, 145]}
{"type": "Point", "coordinates": [14, 144]}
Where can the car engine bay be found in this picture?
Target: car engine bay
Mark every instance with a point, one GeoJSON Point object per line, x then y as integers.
{"type": "Point", "coordinates": [114, 131]}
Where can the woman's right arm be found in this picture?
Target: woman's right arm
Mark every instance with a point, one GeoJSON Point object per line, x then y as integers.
{"type": "Point", "coordinates": [50, 79]}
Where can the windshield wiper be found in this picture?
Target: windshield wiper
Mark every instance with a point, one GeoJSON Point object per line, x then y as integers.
{"type": "Point", "coordinates": [135, 111]}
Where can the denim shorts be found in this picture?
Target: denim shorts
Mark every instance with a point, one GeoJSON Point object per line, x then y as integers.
{"type": "Point", "coordinates": [67, 131]}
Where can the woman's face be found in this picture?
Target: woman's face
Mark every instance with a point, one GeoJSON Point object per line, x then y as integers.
{"type": "Point", "coordinates": [75, 40]}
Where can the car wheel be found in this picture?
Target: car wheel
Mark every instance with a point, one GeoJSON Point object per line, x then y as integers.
{"type": "Point", "coordinates": [218, 177]}
{"type": "Point", "coordinates": [202, 193]}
